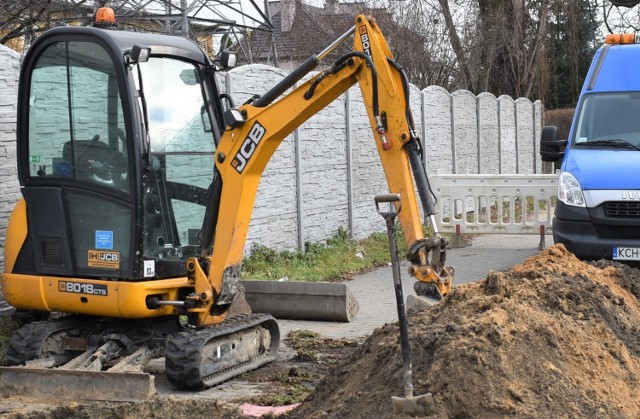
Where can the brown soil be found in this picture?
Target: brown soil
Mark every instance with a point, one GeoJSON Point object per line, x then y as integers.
{"type": "Point", "coordinates": [305, 358]}
{"type": "Point", "coordinates": [166, 408]}
{"type": "Point", "coordinates": [553, 337]}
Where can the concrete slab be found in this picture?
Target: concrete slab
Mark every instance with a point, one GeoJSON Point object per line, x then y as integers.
{"type": "Point", "coordinates": [328, 301]}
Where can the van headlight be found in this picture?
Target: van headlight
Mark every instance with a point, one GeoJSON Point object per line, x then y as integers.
{"type": "Point", "coordinates": [569, 190]}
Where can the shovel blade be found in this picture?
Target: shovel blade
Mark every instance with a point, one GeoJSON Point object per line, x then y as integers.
{"type": "Point", "coordinates": [414, 405]}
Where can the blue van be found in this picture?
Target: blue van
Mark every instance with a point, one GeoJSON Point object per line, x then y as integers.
{"type": "Point", "coordinates": [598, 209]}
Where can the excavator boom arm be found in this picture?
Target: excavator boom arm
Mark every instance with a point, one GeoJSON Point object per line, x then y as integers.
{"type": "Point", "coordinates": [253, 136]}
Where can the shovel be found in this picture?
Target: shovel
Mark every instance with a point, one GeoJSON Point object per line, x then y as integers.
{"type": "Point", "coordinates": [409, 404]}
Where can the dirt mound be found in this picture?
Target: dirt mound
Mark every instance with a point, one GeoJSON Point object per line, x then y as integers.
{"type": "Point", "coordinates": [553, 337]}
{"type": "Point", "coordinates": [157, 408]}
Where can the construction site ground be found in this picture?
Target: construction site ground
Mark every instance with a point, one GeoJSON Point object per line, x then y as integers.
{"type": "Point", "coordinates": [525, 333]}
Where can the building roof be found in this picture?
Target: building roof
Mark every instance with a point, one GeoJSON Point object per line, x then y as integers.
{"type": "Point", "coordinates": [300, 30]}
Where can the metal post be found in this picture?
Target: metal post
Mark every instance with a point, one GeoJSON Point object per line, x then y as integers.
{"type": "Point", "coordinates": [499, 136]}
{"type": "Point", "coordinates": [453, 136]}
{"type": "Point", "coordinates": [185, 18]}
{"type": "Point", "coordinates": [423, 129]}
{"type": "Point", "coordinates": [349, 145]}
{"type": "Point", "coordinates": [274, 49]}
{"type": "Point", "coordinates": [515, 124]}
{"type": "Point", "coordinates": [299, 200]}
{"type": "Point", "coordinates": [478, 136]}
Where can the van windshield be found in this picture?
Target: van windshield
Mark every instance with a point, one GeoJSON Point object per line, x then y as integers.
{"type": "Point", "coordinates": [609, 120]}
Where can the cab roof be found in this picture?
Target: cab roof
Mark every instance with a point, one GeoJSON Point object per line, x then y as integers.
{"type": "Point", "coordinates": [123, 41]}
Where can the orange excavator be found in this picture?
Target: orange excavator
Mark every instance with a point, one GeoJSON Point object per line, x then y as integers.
{"type": "Point", "coordinates": [138, 182]}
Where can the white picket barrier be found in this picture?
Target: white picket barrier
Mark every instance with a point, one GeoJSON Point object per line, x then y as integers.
{"type": "Point", "coordinates": [498, 204]}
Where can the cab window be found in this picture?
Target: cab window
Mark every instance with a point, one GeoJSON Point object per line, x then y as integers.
{"type": "Point", "coordinates": [182, 148]}
{"type": "Point", "coordinates": [76, 123]}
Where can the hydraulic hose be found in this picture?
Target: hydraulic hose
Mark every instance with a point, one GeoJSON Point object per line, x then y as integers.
{"type": "Point", "coordinates": [340, 64]}
{"type": "Point", "coordinates": [414, 150]}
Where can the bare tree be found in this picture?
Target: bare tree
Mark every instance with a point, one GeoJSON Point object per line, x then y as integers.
{"type": "Point", "coordinates": [619, 18]}
{"type": "Point", "coordinates": [456, 44]}
{"type": "Point", "coordinates": [502, 53]}
{"type": "Point", "coordinates": [503, 46]}
{"type": "Point", "coordinates": [23, 20]}
{"type": "Point", "coordinates": [421, 44]}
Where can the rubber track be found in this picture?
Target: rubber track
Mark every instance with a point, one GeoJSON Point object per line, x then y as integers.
{"type": "Point", "coordinates": [183, 352]}
{"type": "Point", "coordinates": [27, 342]}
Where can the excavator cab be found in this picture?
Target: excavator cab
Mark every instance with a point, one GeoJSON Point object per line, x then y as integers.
{"type": "Point", "coordinates": [115, 145]}
{"type": "Point", "coordinates": [116, 139]}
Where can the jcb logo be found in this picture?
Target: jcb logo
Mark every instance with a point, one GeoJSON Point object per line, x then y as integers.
{"type": "Point", "coordinates": [364, 38]}
{"type": "Point", "coordinates": [113, 257]}
{"type": "Point", "coordinates": [102, 259]}
{"type": "Point", "coordinates": [248, 147]}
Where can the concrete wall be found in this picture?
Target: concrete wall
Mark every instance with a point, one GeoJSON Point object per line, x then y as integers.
{"type": "Point", "coordinates": [327, 172]}
{"type": "Point", "coordinates": [9, 186]}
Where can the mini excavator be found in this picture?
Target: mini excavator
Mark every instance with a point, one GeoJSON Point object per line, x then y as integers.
{"type": "Point", "coordinates": [138, 182]}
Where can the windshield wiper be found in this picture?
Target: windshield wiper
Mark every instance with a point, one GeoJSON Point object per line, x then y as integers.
{"type": "Point", "coordinates": [611, 143]}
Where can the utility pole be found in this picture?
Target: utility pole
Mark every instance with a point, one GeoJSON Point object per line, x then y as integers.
{"type": "Point", "coordinates": [274, 50]}
{"type": "Point", "coordinates": [185, 18]}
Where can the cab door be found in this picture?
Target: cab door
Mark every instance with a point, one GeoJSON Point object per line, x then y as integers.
{"type": "Point", "coordinates": [74, 151]}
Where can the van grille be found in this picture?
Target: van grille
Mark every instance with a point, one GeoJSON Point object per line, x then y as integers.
{"type": "Point", "coordinates": [617, 232]}
{"type": "Point", "coordinates": [622, 209]}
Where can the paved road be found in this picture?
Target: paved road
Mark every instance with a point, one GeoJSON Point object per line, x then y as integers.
{"type": "Point", "coordinates": [375, 293]}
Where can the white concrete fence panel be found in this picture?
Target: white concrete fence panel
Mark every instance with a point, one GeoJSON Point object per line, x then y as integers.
{"type": "Point", "coordinates": [9, 186]}
{"type": "Point", "coordinates": [325, 175]}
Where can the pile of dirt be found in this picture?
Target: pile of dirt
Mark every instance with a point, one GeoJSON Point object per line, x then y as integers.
{"type": "Point", "coordinates": [553, 337]}
{"type": "Point", "coordinates": [156, 408]}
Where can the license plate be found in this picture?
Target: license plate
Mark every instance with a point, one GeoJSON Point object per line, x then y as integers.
{"type": "Point", "coordinates": [626, 253]}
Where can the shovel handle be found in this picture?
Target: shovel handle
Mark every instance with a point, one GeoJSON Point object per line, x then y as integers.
{"type": "Point", "coordinates": [397, 285]}
{"type": "Point", "coordinates": [388, 198]}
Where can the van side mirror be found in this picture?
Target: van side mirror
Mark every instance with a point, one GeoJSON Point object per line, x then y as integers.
{"type": "Point", "coordinates": [551, 149]}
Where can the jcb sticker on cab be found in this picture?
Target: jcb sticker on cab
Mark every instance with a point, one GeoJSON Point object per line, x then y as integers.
{"type": "Point", "coordinates": [103, 259]}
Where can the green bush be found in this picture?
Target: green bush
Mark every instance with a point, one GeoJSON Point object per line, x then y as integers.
{"type": "Point", "coordinates": [561, 118]}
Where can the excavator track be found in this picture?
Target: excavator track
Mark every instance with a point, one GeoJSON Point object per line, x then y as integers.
{"type": "Point", "coordinates": [201, 358]}
{"type": "Point", "coordinates": [84, 357]}
{"type": "Point", "coordinates": [101, 359]}
{"type": "Point", "coordinates": [30, 341]}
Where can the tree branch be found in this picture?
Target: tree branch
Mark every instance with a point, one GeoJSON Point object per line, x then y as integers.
{"type": "Point", "coordinates": [456, 45]}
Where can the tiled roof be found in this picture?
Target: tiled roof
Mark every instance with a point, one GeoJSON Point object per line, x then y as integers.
{"type": "Point", "coordinates": [312, 30]}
